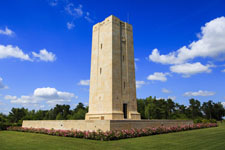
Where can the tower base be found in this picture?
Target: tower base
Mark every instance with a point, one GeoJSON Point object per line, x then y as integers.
{"type": "Point", "coordinates": [104, 125]}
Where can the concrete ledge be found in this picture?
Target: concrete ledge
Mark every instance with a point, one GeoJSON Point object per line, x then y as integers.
{"type": "Point", "coordinates": [91, 125]}
{"type": "Point", "coordinates": [104, 125]}
{"type": "Point", "coordinates": [128, 124]}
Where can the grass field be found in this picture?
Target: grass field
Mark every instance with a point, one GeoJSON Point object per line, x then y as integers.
{"type": "Point", "coordinates": [202, 139]}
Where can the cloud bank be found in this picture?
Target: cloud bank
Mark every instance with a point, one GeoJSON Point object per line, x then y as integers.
{"type": "Point", "coordinates": [200, 93]}
{"type": "Point", "coordinates": [7, 31]}
{"type": "Point", "coordinates": [84, 82]}
{"type": "Point", "coordinates": [158, 76]}
{"type": "Point", "coordinates": [47, 95]}
{"type": "Point", "coordinates": [140, 84]}
{"type": "Point", "coordinates": [210, 44]}
{"type": "Point", "coordinates": [10, 51]}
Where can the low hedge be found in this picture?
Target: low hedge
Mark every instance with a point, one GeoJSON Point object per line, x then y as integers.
{"type": "Point", "coordinates": [113, 135]}
{"type": "Point", "coordinates": [5, 125]}
{"type": "Point", "coordinates": [201, 120]}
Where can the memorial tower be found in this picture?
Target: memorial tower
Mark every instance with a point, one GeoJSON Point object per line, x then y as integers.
{"type": "Point", "coordinates": [112, 82]}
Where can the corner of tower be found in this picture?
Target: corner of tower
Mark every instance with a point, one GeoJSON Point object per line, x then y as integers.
{"type": "Point", "coordinates": [95, 27]}
{"type": "Point", "coordinates": [112, 18]}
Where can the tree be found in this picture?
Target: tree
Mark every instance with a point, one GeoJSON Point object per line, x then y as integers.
{"type": "Point", "coordinates": [40, 115]}
{"type": "Point", "coordinates": [195, 108]}
{"type": "Point", "coordinates": [170, 108]}
{"type": "Point", "coordinates": [3, 118]}
{"type": "Point", "coordinates": [79, 106]}
{"type": "Point", "coordinates": [219, 111]}
{"type": "Point", "coordinates": [80, 114]}
{"type": "Point", "coordinates": [59, 117]}
{"type": "Point", "coordinates": [17, 114]}
{"type": "Point", "coordinates": [207, 108]}
{"type": "Point", "coordinates": [64, 110]}
{"type": "Point", "coordinates": [141, 108]}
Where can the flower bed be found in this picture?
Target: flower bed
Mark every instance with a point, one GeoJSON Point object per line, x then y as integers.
{"type": "Point", "coordinates": [113, 135]}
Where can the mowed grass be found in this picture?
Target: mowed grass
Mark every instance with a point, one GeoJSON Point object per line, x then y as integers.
{"type": "Point", "coordinates": [201, 139]}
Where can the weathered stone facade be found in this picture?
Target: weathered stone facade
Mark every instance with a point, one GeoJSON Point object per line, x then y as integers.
{"type": "Point", "coordinates": [104, 125]}
{"type": "Point", "coordinates": [112, 83]}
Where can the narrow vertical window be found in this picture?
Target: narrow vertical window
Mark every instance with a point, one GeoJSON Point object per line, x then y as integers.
{"type": "Point", "coordinates": [101, 45]}
{"type": "Point", "coordinates": [124, 85]}
{"type": "Point", "coordinates": [123, 57]}
{"type": "Point", "coordinates": [100, 70]}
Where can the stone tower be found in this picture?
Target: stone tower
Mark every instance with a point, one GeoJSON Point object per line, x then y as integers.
{"type": "Point", "coordinates": [112, 84]}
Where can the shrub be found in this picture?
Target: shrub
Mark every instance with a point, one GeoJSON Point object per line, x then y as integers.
{"type": "Point", "coordinates": [212, 121]}
{"type": "Point", "coordinates": [5, 125]}
{"type": "Point", "coordinates": [113, 135]}
{"type": "Point", "coordinates": [198, 120]}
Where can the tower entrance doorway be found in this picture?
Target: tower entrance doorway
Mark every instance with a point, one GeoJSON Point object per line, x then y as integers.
{"type": "Point", "coordinates": [125, 111]}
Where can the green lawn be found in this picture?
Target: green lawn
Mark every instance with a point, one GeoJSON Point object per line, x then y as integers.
{"type": "Point", "coordinates": [210, 138]}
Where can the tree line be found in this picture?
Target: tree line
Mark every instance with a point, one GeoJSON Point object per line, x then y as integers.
{"type": "Point", "coordinates": [149, 108]}
{"type": "Point", "coordinates": [152, 108]}
{"type": "Point", "coordinates": [59, 112]}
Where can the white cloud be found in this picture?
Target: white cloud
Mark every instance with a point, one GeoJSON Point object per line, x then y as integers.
{"type": "Point", "coordinates": [7, 31]}
{"type": "Point", "coordinates": [223, 70]}
{"type": "Point", "coordinates": [57, 101]}
{"type": "Point", "coordinates": [79, 10]}
{"type": "Point", "coordinates": [9, 97]}
{"type": "Point", "coordinates": [199, 93]}
{"type": "Point", "coordinates": [169, 97]}
{"type": "Point", "coordinates": [74, 11]}
{"type": "Point", "coordinates": [10, 51]}
{"type": "Point", "coordinates": [87, 17]}
{"type": "Point", "coordinates": [189, 69]}
{"type": "Point", "coordinates": [223, 103]}
{"type": "Point", "coordinates": [135, 64]}
{"type": "Point", "coordinates": [49, 95]}
{"type": "Point", "coordinates": [140, 84]}
{"type": "Point", "coordinates": [164, 90]}
{"type": "Point", "coordinates": [2, 86]}
{"type": "Point", "coordinates": [44, 55]}
{"type": "Point", "coordinates": [136, 59]}
{"type": "Point", "coordinates": [210, 44]}
{"type": "Point", "coordinates": [84, 82]}
{"type": "Point", "coordinates": [158, 76]}
{"type": "Point", "coordinates": [70, 25]}
{"type": "Point", "coordinates": [172, 97]}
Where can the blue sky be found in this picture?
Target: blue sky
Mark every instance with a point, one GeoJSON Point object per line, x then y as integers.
{"type": "Point", "coordinates": [45, 49]}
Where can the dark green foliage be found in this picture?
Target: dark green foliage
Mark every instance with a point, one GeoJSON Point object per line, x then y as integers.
{"type": "Point", "coordinates": [17, 114]}
{"type": "Point", "coordinates": [151, 108]}
{"type": "Point", "coordinates": [194, 108]}
{"type": "Point", "coordinates": [5, 125]}
{"type": "Point", "coordinates": [213, 110]}
{"type": "Point", "coordinates": [59, 112]}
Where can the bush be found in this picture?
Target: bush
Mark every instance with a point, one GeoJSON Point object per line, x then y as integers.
{"type": "Point", "coordinates": [5, 125]}
{"type": "Point", "coordinates": [114, 135]}
{"type": "Point", "coordinates": [200, 120]}
{"type": "Point", "coordinates": [212, 121]}
{"type": "Point", "coordinates": [205, 121]}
